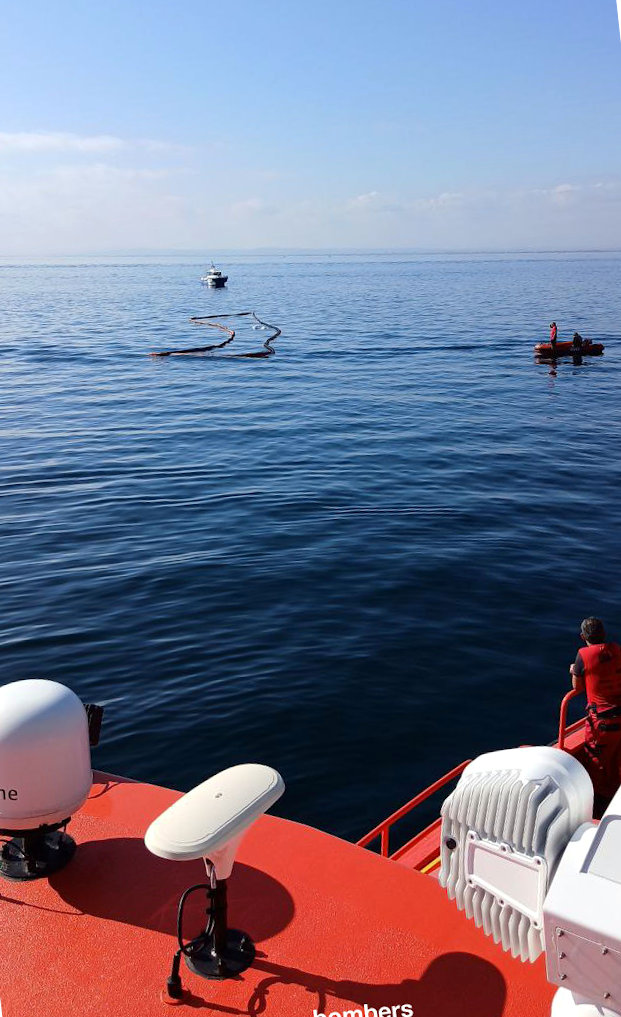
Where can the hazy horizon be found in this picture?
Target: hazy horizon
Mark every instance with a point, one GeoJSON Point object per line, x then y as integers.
{"type": "Point", "coordinates": [201, 256]}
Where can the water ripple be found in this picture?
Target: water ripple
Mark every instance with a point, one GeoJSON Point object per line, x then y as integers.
{"type": "Point", "coordinates": [361, 560]}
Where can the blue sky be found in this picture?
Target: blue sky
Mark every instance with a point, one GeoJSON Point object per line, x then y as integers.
{"type": "Point", "coordinates": [433, 124]}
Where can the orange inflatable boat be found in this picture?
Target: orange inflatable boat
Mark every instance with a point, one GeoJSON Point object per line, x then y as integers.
{"type": "Point", "coordinates": [586, 349]}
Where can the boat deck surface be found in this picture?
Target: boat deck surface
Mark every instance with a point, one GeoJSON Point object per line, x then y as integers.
{"type": "Point", "coordinates": [335, 927]}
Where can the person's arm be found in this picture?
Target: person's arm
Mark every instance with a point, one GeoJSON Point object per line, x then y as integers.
{"type": "Point", "coordinates": [576, 671]}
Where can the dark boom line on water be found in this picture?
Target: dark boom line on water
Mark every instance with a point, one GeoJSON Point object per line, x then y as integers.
{"type": "Point", "coordinates": [209, 321]}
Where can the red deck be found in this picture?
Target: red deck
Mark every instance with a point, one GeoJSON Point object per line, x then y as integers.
{"type": "Point", "coordinates": [335, 927]}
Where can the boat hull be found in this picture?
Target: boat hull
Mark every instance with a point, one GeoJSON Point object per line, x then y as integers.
{"type": "Point", "coordinates": [568, 349]}
{"type": "Point", "coordinates": [215, 281]}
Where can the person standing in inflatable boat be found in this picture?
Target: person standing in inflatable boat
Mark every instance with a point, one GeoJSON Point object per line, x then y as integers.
{"type": "Point", "coordinates": [553, 335]}
{"type": "Point", "coordinates": [597, 671]}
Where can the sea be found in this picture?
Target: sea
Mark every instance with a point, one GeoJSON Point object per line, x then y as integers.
{"type": "Point", "coordinates": [359, 560]}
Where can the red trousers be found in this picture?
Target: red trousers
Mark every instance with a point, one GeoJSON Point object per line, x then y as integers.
{"type": "Point", "coordinates": [602, 752]}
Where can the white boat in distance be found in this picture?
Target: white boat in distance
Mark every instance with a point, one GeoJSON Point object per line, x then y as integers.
{"type": "Point", "coordinates": [214, 277]}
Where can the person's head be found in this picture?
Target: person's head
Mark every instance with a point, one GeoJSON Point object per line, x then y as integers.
{"type": "Point", "coordinates": [552, 324]}
{"type": "Point", "coordinates": [592, 630]}
{"type": "Point", "coordinates": [577, 335]}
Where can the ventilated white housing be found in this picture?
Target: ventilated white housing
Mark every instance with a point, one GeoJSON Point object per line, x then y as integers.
{"type": "Point", "coordinates": [45, 756]}
{"type": "Point", "coordinates": [504, 828]}
{"type": "Point", "coordinates": [582, 913]}
{"type": "Point", "coordinates": [210, 821]}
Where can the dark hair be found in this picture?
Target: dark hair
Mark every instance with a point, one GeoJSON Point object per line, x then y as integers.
{"type": "Point", "coordinates": [592, 629]}
{"type": "Point", "coordinates": [552, 323]}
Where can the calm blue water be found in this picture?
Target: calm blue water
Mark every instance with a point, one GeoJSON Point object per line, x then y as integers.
{"type": "Point", "coordinates": [359, 560]}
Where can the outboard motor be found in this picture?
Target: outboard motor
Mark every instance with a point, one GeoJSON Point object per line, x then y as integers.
{"type": "Point", "coordinates": [522, 856]}
{"type": "Point", "coordinates": [45, 775]}
{"type": "Point", "coordinates": [209, 823]}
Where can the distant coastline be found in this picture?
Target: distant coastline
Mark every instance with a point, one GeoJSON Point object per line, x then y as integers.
{"type": "Point", "coordinates": [199, 256]}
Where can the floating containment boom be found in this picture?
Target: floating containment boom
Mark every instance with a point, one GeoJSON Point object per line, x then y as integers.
{"type": "Point", "coordinates": [210, 322]}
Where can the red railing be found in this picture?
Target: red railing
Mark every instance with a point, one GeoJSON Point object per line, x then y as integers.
{"type": "Point", "coordinates": [382, 830]}
{"type": "Point", "coordinates": [563, 730]}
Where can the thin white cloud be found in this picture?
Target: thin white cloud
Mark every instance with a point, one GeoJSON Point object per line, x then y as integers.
{"type": "Point", "coordinates": [252, 207]}
{"type": "Point", "coordinates": [566, 193]}
{"type": "Point", "coordinates": [98, 202]}
{"type": "Point", "coordinates": [41, 142]}
{"type": "Point", "coordinates": [560, 194]}
{"type": "Point", "coordinates": [57, 141]}
{"type": "Point", "coordinates": [448, 199]}
{"type": "Point", "coordinates": [102, 173]}
{"type": "Point", "coordinates": [90, 207]}
{"type": "Point", "coordinates": [365, 200]}
{"type": "Point", "coordinates": [564, 214]}
{"type": "Point", "coordinates": [374, 201]}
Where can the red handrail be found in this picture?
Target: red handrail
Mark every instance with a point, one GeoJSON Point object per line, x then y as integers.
{"type": "Point", "coordinates": [382, 830]}
{"type": "Point", "coordinates": [563, 730]}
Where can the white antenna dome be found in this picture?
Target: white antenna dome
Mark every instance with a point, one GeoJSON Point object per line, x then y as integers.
{"type": "Point", "coordinates": [45, 757]}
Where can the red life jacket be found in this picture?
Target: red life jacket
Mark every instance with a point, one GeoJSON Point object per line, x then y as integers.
{"type": "Point", "coordinates": [553, 331]}
{"type": "Point", "coordinates": [602, 675]}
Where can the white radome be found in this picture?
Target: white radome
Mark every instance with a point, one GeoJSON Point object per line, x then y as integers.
{"type": "Point", "coordinates": [45, 756]}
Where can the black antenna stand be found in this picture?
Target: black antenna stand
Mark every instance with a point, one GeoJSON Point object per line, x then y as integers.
{"type": "Point", "coordinates": [220, 952]}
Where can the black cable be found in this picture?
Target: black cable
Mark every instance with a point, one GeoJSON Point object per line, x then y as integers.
{"type": "Point", "coordinates": [173, 982]}
{"type": "Point", "coordinates": [189, 948]}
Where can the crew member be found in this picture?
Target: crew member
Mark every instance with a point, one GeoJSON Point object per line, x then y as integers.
{"type": "Point", "coordinates": [597, 671]}
{"type": "Point", "coordinates": [553, 334]}
{"type": "Point", "coordinates": [576, 346]}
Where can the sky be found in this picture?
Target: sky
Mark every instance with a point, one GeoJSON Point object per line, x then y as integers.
{"type": "Point", "coordinates": [420, 124]}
